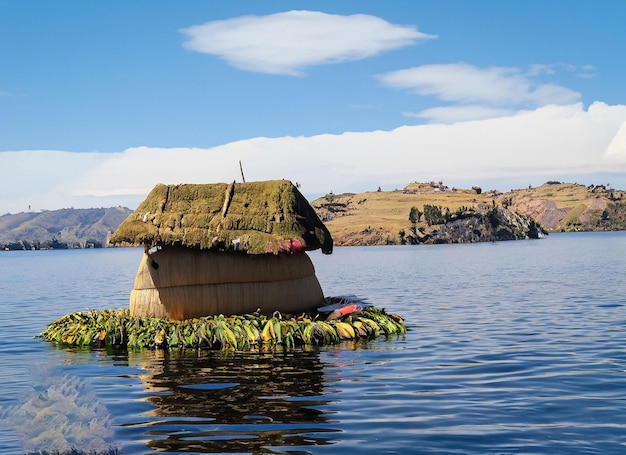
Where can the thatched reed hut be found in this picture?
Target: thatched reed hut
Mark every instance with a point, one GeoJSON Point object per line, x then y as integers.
{"type": "Point", "coordinates": [224, 249]}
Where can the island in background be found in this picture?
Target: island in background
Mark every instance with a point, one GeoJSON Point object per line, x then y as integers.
{"type": "Point", "coordinates": [419, 213]}
{"type": "Point", "coordinates": [434, 213]}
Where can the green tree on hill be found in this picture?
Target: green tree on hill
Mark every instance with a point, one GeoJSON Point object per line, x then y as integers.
{"type": "Point", "coordinates": [414, 216]}
{"type": "Point", "coordinates": [433, 214]}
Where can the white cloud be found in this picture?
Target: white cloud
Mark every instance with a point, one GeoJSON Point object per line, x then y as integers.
{"type": "Point", "coordinates": [616, 151]}
{"type": "Point", "coordinates": [488, 88]}
{"type": "Point", "coordinates": [286, 43]}
{"type": "Point", "coordinates": [547, 143]}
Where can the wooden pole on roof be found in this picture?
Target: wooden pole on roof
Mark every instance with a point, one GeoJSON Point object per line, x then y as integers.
{"type": "Point", "coordinates": [241, 169]}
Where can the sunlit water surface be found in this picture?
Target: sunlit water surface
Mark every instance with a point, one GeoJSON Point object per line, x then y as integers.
{"type": "Point", "coordinates": [512, 347]}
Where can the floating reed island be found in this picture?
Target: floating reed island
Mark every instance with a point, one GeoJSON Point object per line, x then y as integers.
{"type": "Point", "coordinates": [235, 249]}
{"type": "Point", "coordinates": [239, 332]}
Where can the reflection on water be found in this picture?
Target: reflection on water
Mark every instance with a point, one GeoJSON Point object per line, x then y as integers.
{"type": "Point", "coordinates": [59, 414]}
{"type": "Point", "coordinates": [234, 402]}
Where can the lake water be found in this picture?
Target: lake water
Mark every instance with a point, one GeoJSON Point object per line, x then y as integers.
{"type": "Point", "coordinates": [512, 348]}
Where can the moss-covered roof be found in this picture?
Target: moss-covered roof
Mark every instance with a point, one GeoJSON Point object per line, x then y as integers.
{"type": "Point", "coordinates": [254, 217]}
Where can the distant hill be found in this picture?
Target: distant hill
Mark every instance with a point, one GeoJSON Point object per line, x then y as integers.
{"type": "Point", "coordinates": [383, 217]}
{"type": "Point", "coordinates": [567, 207]}
{"type": "Point", "coordinates": [65, 228]}
{"type": "Point", "coordinates": [418, 213]}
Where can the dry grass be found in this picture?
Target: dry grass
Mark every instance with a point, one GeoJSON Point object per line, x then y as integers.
{"type": "Point", "coordinates": [390, 210]}
{"type": "Point", "coordinates": [565, 195]}
{"type": "Point", "coordinates": [386, 213]}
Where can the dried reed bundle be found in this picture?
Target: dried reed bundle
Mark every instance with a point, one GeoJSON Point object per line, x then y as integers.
{"type": "Point", "coordinates": [193, 301]}
{"type": "Point", "coordinates": [179, 266]}
{"type": "Point", "coordinates": [180, 283]}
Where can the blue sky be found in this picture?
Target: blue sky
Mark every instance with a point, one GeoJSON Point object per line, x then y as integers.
{"type": "Point", "coordinates": [100, 101]}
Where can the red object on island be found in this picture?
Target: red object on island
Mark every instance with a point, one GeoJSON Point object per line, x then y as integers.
{"type": "Point", "coordinates": [344, 311]}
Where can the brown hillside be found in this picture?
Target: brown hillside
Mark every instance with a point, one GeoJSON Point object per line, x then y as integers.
{"type": "Point", "coordinates": [378, 218]}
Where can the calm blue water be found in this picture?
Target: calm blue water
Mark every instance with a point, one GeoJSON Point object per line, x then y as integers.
{"type": "Point", "coordinates": [512, 348]}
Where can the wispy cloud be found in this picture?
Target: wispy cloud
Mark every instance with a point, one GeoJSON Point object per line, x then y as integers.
{"type": "Point", "coordinates": [460, 113]}
{"type": "Point", "coordinates": [286, 43]}
{"type": "Point", "coordinates": [537, 145]}
{"type": "Point", "coordinates": [478, 90]}
{"type": "Point", "coordinates": [584, 71]}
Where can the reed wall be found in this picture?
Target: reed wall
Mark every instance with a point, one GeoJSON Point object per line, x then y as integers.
{"type": "Point", "coordinates": [181, 283]}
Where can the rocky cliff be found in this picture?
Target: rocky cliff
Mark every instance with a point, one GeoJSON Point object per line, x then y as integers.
{"type": "Point", "coordinates": [570, 207]}
{"type": "Point", "coordinates": [495, 224]}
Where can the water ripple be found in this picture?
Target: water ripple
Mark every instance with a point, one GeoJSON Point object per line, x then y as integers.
{"type": "Point", "coordinates": [512, 348]}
